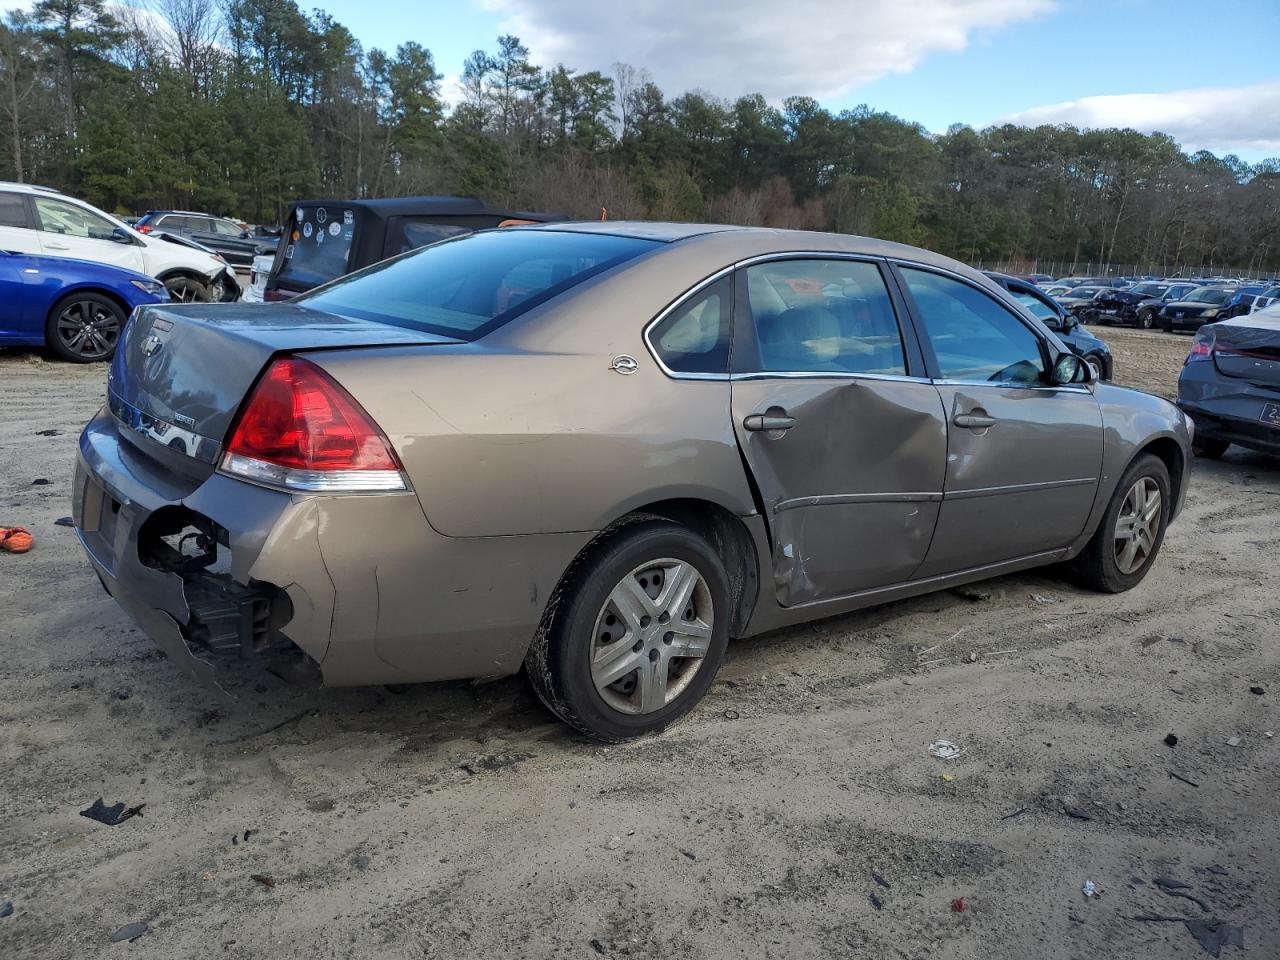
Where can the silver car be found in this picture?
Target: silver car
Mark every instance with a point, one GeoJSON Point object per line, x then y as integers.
{"type": "Point", "coordinates": [599, 451]}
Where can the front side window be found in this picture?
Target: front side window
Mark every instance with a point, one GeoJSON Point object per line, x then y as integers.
{"type": "Point", "coordinates": [694, 337]}
{"type": "Point", "coordinates": [823, 316]}
{"type": "Point", "coordinates": [1038, 307]}
{"type": "Point", "coordinates": [226, 228]}
{"type": "Point", "coordinates": [466, 287]}
{"type": "Point", "coordinates": [973, 337]}
{"type": "Point", "coordinates": [58, 216]}
{"type": "Point", "coordinates": [13, 210]}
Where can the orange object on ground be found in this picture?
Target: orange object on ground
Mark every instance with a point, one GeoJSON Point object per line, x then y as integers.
{"type": "Point", "coordinates": [15, 539]}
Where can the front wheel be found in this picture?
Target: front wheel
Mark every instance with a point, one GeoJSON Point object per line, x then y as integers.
{"type": "Point", "coordinates": [1131, 532]}
{"type": "Point", "coordinates": [1096, 366]}
{"type": "Point", "coordinates": [1146, 319]}
{"type": "Point", "coordinates": [84, 327]}
{"type": "Point", "coordinates": [188, 290]}
{"type": "Point", "coordinates": [634, 636]}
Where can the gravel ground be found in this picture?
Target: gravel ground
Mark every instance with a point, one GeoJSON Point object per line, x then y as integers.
{"type": "Point", "coordinates": [796, 813]}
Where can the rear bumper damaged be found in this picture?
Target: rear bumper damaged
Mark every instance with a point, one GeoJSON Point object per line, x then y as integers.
{"type": "Point", "coordinates": [215, 568]}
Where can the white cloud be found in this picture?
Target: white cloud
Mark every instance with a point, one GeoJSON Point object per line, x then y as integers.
{"type": "Point", "coordinates": [820, 48]}
{"type": "Point", "coordinates": [1221, 119]}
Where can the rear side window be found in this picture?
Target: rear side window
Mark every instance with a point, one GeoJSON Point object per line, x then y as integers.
{"type": "Point", "coordinates": [694, 337]}
{"type": "Point", "coordinates": [974, 338]}
{"type": "Point", "coordinates": [13, 210]}
{"type": "Point", "coordinates": [824, 316]}
{"type": "Point", "coordinates": [465, 288]}
{"type": "Point", "coordinates": [226, 228]}
{"type": "Point", "coordinates": [413, 234]}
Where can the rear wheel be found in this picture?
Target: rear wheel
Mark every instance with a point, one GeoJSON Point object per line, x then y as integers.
{"type": "Point", "coordinates": [1131, 532]}
{"type": "Point", "coordinates": [635, 634]}
{"type": "Point", "coordinates": [84, 327]}
{"type": "Point", "coordinates": [1211, 448]}
{"type": "Point", "coordinates": [188, 290]}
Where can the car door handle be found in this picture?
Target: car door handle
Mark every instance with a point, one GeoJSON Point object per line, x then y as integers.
{"type": "Point", "coordinates": [974, 421]}
{"type": "Point", "coordinates": [767, 423]}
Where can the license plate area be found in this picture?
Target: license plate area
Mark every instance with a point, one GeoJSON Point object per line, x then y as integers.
{"type": "Point", "coordinates": [99, 521]}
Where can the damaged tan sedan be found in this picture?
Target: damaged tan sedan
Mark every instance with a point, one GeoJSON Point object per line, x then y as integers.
{"type": "Point", "coordinates": [599, 451]}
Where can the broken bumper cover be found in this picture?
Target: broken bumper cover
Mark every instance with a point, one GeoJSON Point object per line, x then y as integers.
{"type": "Point", "coordinates": [361, 584]}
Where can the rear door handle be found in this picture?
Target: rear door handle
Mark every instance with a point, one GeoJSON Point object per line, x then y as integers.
{"type": "Point", "coordinates": [767, 423]}
{"type": "Point", "coordinates": [973, 421]}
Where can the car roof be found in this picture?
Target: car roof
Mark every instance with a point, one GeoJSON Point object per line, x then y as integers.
{"type": "Point", "coordinates": [185, 213]}
{"type": "Point", "coordinates": [27, 187]}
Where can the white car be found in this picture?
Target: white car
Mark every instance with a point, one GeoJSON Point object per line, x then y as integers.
{"type": "Point", "coordinates": [38, 220]}
{"type": "Point", "coordinates": [1267, 298]}
{"type": "Point", "coordinates": [258, 274]}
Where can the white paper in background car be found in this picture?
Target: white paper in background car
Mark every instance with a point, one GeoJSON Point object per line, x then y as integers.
{"type": "Point", "coordinates": [335, 228]}
{"type": "Point", "coordinates": [348, 217]}
{"type": "Point", "coordinates": [288, 252]}
{"type": "Point", "coordinates": [306, 230]}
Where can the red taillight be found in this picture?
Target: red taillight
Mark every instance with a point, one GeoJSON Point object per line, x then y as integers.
{"type": "Point", "coordinates": [1201, 349]}
{"type": "Point", "coordinates": [299, 429]}
{"type": "Point", "coordinates": [143, 229]}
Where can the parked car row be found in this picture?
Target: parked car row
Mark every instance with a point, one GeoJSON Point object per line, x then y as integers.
{"type": "Point", "coordinates": [1172, 304]}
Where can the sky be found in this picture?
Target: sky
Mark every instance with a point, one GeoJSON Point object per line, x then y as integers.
{"type": "Point", "coordinates": [1205, 73]}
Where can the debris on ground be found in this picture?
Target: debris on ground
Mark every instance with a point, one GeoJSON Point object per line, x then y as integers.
{"type": "Point", "coordinates": [1090, 889]}
{"type": "Point", "coordinates": [1257, 691]}
{"type": "Point", "coordinates": [614, 843]}
{"type": "Point", "coordinates": [16, 539]}
{"type": "Point", "coordinates": [493, 761]}
{"type": "Point", "coordinates": [875, 901]}
{"type": "Point", "coordinates": [1077, 813]}
{"type": "Point", "coordinates": [732, 715]}
{"type": "Point", "coordinates": [1176, 888]}
{"type": "Point", "coordinates": [130, 932]}
{"type": "Point", "coordinates": [49, 433]}
{"type": "Point", "coordinates": [64, 522]}
{"type": "Point", "coordinates": [6, 908]}
{"type": "Point", "coordinates": [1233, 741]}
{"type": "Point", "coordinates": [880, 881]}
{"type": "Point", "coordinates": [958, 905]}
{"type": "Point", "coordinates": [1171, 740]}
{"type": "Point", "coordinates": [1042, 599]}
{"type": "Point", "coordinates": [921, 660]}
{"type": "Point", "coordinates": [263, 879]}
{"type": "Point", "coordinates": [690, 854]}
{"type": "Point", "coordinates": [1212, 935]}
{"type": "Point", "coordinates": [1017, 813]}
{"type": "Point", "coordinates": [113, 815]}
{"type": "Point", "coordinates": [41, 482]}
{"type": "Point", "coordinates": [948, 777]}
{"type": "Point", "coordinates": [945, 750]}
{"type": "Point", "coordinates": [1178, 776]}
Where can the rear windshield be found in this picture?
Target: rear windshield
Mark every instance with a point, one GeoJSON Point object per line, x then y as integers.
{"type": "Point", "coordinates": [466, 287]}
{"type": "Point", "coordinates": [317, 245]}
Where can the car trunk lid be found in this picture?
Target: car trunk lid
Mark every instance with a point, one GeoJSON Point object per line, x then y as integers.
{"type": "Point", "coordinates": [181, 373]}
{"type": "Point", "coordinates": [1249, 350]}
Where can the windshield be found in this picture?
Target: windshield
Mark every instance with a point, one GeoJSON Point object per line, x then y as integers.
{"type": "Point", "coordinates": [466, 287]}
{"type": "Point", "coordinates": [1150, 289]}
{"type": "Point", "coordinates": [1209, 295]}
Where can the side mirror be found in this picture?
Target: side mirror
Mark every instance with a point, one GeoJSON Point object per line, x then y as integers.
{"type": "Point", "coordinates": [1069, 323]}
{"type": "Point", "coordinates": [1070, 369]}
{"type": "Point", "coordinates": [121, 235]}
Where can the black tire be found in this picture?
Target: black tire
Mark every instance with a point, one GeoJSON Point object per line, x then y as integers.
{"type": "Point", "coordinates": [1096, 566]}
{"type": "Point", "coordinates": [1146, 319]}
{"type": "Point", "coordinates": [1097, 364]}
{"type": "Point", "coordinates": [188, 290]}
{"type": "Point", "coordinates": [1211, 448]}
{"type": "Point", "coordinates": [84, 327]}
{"type": "Point", "coordinates": [560, 659]}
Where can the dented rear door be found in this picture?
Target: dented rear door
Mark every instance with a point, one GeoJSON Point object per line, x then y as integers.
{"type": "Point", "coordinates": [849, 457]}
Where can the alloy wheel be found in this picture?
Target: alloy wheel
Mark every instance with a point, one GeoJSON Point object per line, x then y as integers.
{"type": "Point", "coordinates": [651, 636]}
{"type": "Point", "coordinates": [1137, 525]}
{"type": "Point", "coordinates": [87, 329]}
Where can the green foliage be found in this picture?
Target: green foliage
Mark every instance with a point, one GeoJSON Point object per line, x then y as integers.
{"type": "Point", "coordinates": [240, 106]}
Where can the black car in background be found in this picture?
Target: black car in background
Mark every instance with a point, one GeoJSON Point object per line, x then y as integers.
{"type": "Point", "coordinates": [1230, 384]}
{"type": "Point", "coordinates": [326, 239]}
{"type": "Point", "coordinates": [237, 244]}
{"type": "Point", "coordinates": [1138, 304]}
{"type": "Point", "coordinates": [1084, 344]}
{"type": "Point", "coordinates": [1207, 305]}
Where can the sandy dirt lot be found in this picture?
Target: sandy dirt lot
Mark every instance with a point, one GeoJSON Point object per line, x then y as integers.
{"type": "Point", "coordinates": [796, 813]}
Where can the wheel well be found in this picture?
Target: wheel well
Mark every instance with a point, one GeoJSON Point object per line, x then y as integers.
{"type": "Point", "coordinates": [184, 274]}
{"type": "Point", "coordinates": [105, 294]}
{"type": "Point", "coordinates": [1167, 450]}
{"type": "Point", "coordinates": [728, 536]}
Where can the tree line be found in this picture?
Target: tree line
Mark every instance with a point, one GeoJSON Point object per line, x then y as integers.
{"type": "Point", "coordinates": [240, 106]}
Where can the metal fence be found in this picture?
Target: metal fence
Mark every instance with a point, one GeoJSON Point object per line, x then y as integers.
{"type": "Point", "coordinates": [1090, 268]}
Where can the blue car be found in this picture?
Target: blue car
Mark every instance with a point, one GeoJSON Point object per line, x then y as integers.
{"type": "Point", "coordinates": [74, 307]}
